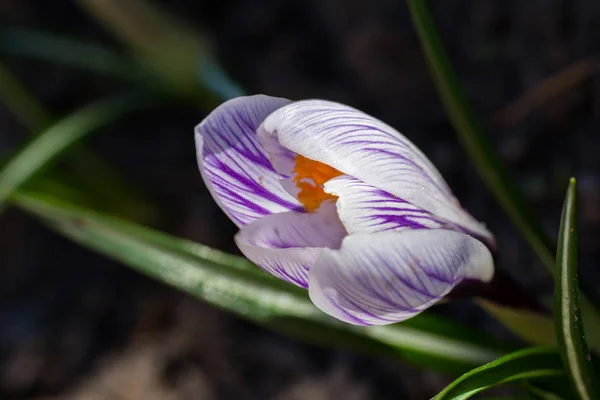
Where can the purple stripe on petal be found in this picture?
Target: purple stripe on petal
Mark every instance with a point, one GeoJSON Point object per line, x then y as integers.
{"type": "Point", "coordinates": [234, 165]}
{"type": "Point", "coordinates": [287, 244]}
{"type": "Point", "coordinates": [386, 277]}
{"type": "Point", "coordinates": [364, 147]}
{"type": "Point", "coordinates": [364, 208]}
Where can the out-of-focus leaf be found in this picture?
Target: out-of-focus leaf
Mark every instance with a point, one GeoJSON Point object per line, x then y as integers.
{"type": "Point", "coordinates": [69, 51]}
{"type": "Point", "coordinates": [551, 388]}
{"type": "Point", "coordinates": [22, 103]}
{"type": "Point", "coordinates": [538, 394]}
{"type": "Point", "coordinates": [523, 364]}
{"type": "Point", "coordinates": [43, 149]}
{"type": "Point", "coordinates": [569, 327]}
{"type": "Point", "coordinates": [472, 134]}
{"type": "Point", "coordinates": [98, 177]}
{"type": "Point", "coordinates": [236, 285]}
{"type": "Point", "coordinates": [535, 328]}
{"type": "Point", "coordinates": [174, 51]}
{"type": "Point", "coordinates": [483, 154]}
{"type": "Point", "coordinates": [522, 397]}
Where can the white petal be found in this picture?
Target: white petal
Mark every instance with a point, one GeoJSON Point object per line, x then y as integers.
{"type": "Point", "coordinates": [364, 147]}
{"type": "Point", "coordinates": [234, 166]}
{"type": "Point", "coordinates": [386, 277]}
{"type": "Point", "coordinates": [364, 208]}
{"type": "Point", "coordinates": [282, 159]}
{"type": "Point", "coordinates": [287, 244]}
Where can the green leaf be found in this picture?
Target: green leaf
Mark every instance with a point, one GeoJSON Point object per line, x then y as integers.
{"type": "Point", "coordinates": [472, 134]}
{"type": "Point", "coordinates": [234, 284]}
{"type": "Point", "coordinates": [22, 103]}
{"type": "Point", "coordinates": [68, 51]}
{"type": "Point", "coordinates": [553, 388]}
{"type": "Point", "coordinates": [538, 394]}
{"type": "Point", "coordinates": [535, 328]}
{"type": "Point", "coordinates": [45, 147]}
{"type": "Point", "coordinates": [105, 184]}
{"type": "Point", "coordinates": [523, 364]}
{"type": "Point", "coordinates": [508, 398]}
{"type": "Point", "coordinates": [171, 49]}
{"type": "Point", "coordinates": [482, 153]}
{"type": "Point", "coordinates": [569, 327]}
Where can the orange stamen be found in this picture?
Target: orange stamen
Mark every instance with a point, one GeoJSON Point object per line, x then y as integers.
{"type": "Point", "coordinates": [310, 177]}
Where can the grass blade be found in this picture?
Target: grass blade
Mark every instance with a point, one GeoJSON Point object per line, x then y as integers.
{"type": "Point", "coordinates": [18, 99]}
{"type": "Point", "coordinates": [569, 327]}
{"type": "Point", "coordinates": [175, 52]}
{"type": "Point", "coordinates": [49, 144]}
{"type": "Point", "coordinates": [524, 364]}
{"type": "Point", "coordinates": [102, 181]}
{"type": "Point", "coordinates": [472, 134]}
{"type": "Point", "coordinates": [236, 285]}
{"type": "Point", "coordinates": [482, 153]}
{"type": "Point", "coordinates": [552, 388]}
{"type": "Point", "coordinates": [535, 328]}
{"type": "Point", "coordinates": [540, 394]}
{"type": "Point", "coordinates": [67, 51]}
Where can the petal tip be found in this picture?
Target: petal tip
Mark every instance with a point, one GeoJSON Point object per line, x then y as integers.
{"type": "Point", "coordinates": [386, 277]}
{"type": "Point", "coordinates": [233, 164]}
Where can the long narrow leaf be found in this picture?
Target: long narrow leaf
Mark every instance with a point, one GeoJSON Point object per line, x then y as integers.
{"type": "Point", "coordinates": [550, 388]}
{"type": "Point", "coordinates": [538, 394]}
{"type": "Point", "coordinates": [22, 103]}
{"type": "Point", "coordinates": [46, 146]}
{"type": "Point", "coordinates": [482, 153]}
{"type": "Point", "coordinates": [68, 51]}
{"type": "Point", "coordinates": [569, 327]}
{"type": "Point", "coordinates": [472, 134]}
{"type": "Point", "coordinates": [524, 364]}
{"type": "Point", "coordinates": [174, 51]}
{"type": "Point", "coordinates": [508, 398]}
{"type": "Point", "coordinates": [101, 180]}
{"type": "Point", "coordinates": [535, 328]}
{"type": "Point", "coordinates": [240, 287]}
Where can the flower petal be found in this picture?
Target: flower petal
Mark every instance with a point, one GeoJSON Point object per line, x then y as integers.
{"type": "Point", "coordinates": [234, 166]}
{"type": "Point", "coordinates": [364, 147]}
{"type": "Point", "coordinates": [364, 208]}
{"type": "Point", "coordinates": [287, 244]}
{"type": "Point", "coordinates": [386, 277]}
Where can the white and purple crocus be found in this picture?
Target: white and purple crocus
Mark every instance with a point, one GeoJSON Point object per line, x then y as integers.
{"type": "Point", "coordinates": [335, 201]}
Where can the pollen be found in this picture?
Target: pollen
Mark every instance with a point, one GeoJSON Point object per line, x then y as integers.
{"type": "Point", "coordinates": [310, 177]}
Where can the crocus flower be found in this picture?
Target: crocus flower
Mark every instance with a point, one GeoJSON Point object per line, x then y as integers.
{"type": "Point", "coordinates": [335, 201]}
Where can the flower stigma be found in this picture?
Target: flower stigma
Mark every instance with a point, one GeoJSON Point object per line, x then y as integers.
{"type": "Point", "coordinates": [310, 177]}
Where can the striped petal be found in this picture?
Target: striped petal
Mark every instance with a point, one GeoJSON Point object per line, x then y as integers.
{"type": "Point", "coordinates": [386, 277]}
{"type": "Point", "coordinates": [364, 208]}
{"type": "Point", "coordinates": [364, 147]}
{"type": "Point", "coordinates": [287, 244]}
{"type": "Point", "coordinates": [234, 166]}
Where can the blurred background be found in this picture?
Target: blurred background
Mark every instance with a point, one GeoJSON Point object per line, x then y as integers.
{"type": "Point", "coordinates": [76, 325]}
